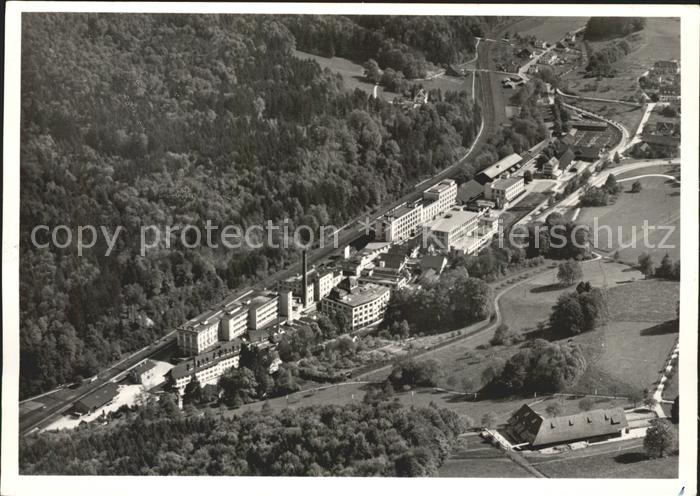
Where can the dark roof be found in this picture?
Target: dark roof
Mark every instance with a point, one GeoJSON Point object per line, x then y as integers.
{"type": "Point", "coordinates": [655, 139]}
{"type": "Point", "coordinates": [143, 367]}
{"type": "Point", "coordinates": [433, 262]}
{"type": "Point", "coordinates": [471, 190]}
{"type": "Point", "coordinates": [206, 359]}
{"type": "Point", "coordinates": [566, 158]}
{"type": "Point", "coordinates": [528, 426]}
{"type": "Point", "coordinates": [100, 397]}
{"type": "Point", "coordinates": [393, 260]}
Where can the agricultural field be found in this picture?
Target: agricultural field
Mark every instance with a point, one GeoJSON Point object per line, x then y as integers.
{"type": "Point", "coordinates": [447, 83]}
{"type": "Point", "coordinates": [659, 40]}
{"type": "Point", "coordinates": [531, 302]}
{"type": "Point", "coordinates": [668, 170]}
{"type": "Point", "coordinates": [549, 29]}
{"type": "Point", "coordinates": [628, 116]}
{"type": "Point", "coordinates": [658, 203]}
{"type": "Point", "coordinates": [476, 457]}
{"type": "Point", "coordinates": [624, 460]}
{"type": "Point", "coordinates": [352, 74]}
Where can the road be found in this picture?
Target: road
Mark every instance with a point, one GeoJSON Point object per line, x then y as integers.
{"type": "Point", "coordinates": [345, 236]}
{"type": "Point", "coordinates": [598, 180]}
{"type": "Point", "coordinates": [594, 99]}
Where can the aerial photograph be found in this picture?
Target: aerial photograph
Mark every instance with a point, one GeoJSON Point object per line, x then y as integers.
{"type": "Point", "coordinates": [349, 245]}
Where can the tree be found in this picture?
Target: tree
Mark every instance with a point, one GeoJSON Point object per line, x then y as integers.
{"type": "Point", "coordinates": [645, 265]}
{"type": "Point", "coordinates": [636, 187]}
{"type": "Point", "coordinates": [667, 269]}
{"type": "Point", "coordinates": [586, 404]}
{"type": "Point", "coordinates": [372, 71]}
{"type": "Point", "coordinates": [239, 386]}
{"type": "Point", "coordinates": [527, 176]}
{"type": "Point", "coordinates": [412, 373]}
{"type": "Point", "coordinates": [553, 409]}
{"type": "Point", "coordinates": [611, 185]}
{"type": "Point", "coordinates": [569, 272]}
{"type": "Point", "coordinates": [636, 396]}
{"type": "Point", "coordinates": [193, 391]}
{"type": "Point", "coordinates": [488, 420]}
{"type": "Point", "coordinates": [660, 439]}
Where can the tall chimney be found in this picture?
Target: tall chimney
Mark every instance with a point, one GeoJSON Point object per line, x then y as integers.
{"type": "Point", "coordinates": [304, 280]}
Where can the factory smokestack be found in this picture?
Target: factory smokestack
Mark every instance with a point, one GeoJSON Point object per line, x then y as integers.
{"type": "Point", "coordinates": [304, 280]}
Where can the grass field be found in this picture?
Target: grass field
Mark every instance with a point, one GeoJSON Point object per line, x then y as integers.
{"type": "Point", "coordinates": [475, 457]}
{"type": "Point", "coordinates": [617, 460]}
{"type": "Point", "coordinates": [669, 170]}
{"type": "Point", "coordinates": [550, 29]}
{"type": "Point", "coordinates": [659, 40]}
{"type": "Point", "coordinates": [531, 302]}
{"type": "Point", "coordinates": [658, 203]}
{"type": "Point", "coordinates": [352, 74]}
{"type": "Point", "coordinates": [448, 83]}
{"type": "Point", "coordinates": [629, 117]}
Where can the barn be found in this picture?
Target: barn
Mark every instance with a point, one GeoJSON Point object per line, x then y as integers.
{"type": "Point", "coordinates": [527, 427]}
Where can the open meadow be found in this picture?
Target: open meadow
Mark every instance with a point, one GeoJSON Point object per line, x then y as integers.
{"type": "Point", "coordinates": [628, 116]}
{"type": "Point", "coordinates": [618, 227]}
{"type": "Point", "coordinates": [624, 460]}
{"type": "Point", "coordinates": [659, 40]}
{"type": "Point", "coordinates": [352, 74]}
{"type": "Point", "coordinates": [549, 29]}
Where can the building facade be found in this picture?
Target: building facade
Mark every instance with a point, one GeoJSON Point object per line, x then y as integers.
{"type": "Point", "coordinates": [207, 367]}
{"type": "Point", "coordinates": [262, 310]}
{"type": "Point", "coordinates": [400, 223]}
{"type": "Point", "coordinates": [200, 333]}
{"type": "Point", "coordinates": [503, 191]}
{"type": "Point", "coordinates": [451, 227]}
{"type": "Point", "coordinates": [527, 427]}
{"type": "Point", "coordinates": [234, 322]}
{"type": "Point", "coordinates": [361, 304]}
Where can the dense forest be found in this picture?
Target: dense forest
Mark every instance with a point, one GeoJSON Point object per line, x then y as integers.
{"type": "Point", "coordinates": [408, 44]}
{"type": "Point", "coordinates": [600, 28]}
{"type": "Point", "coordinates": [362, 439]}
{"type": "Point", "coordinates": [167, 120]}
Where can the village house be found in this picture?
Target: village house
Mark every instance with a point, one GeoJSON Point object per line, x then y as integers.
{"type": "Point", "coordinates": [528, 428]}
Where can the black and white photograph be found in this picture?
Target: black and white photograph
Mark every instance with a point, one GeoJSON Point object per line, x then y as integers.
{"type": "Point", "coordinates": [319, 242]}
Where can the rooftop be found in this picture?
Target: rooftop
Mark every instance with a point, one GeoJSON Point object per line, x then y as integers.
{"type": "Point", "coordinates": [502, 165]}
{"type": "Point", "coordinates": [452, 219]}
{"type": "Point", "coordinates": [539, 431]}
{"type": "Point", "coordinates": [144, 366]}
{"type": "Point", "coordinates": [360, 294]}
{"type": "Point", "coordinates": [469, 190]}
{"type": "Point", "coordinates": [401, 211]}
{"type": "Point", "coordinates": [100, 397]}
{"type": "Point", "coordinates": [506, 183]}
{"type": "Point", "coordinates": [206, 359]}
{"type": "Point", "coordinates": [260, 299]}
{"type": "Point", "coordinates": [441, 186]}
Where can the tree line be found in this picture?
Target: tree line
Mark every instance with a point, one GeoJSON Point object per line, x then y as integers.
{"type": "Point", "coordinates": [359, 439]}
{"type": "Point", "coordinates": [171, 120]}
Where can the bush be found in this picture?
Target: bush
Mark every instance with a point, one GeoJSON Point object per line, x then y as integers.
{"type": "Point", "coordinates": [586, 404]}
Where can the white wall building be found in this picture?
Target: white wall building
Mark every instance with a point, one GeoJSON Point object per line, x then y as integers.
{"type": "Point", "coordinates": [362, 305]}
{"type": "Point", "coordinates": [503, 191]}
{"type": "Point", "coordinates": [200, 333]}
